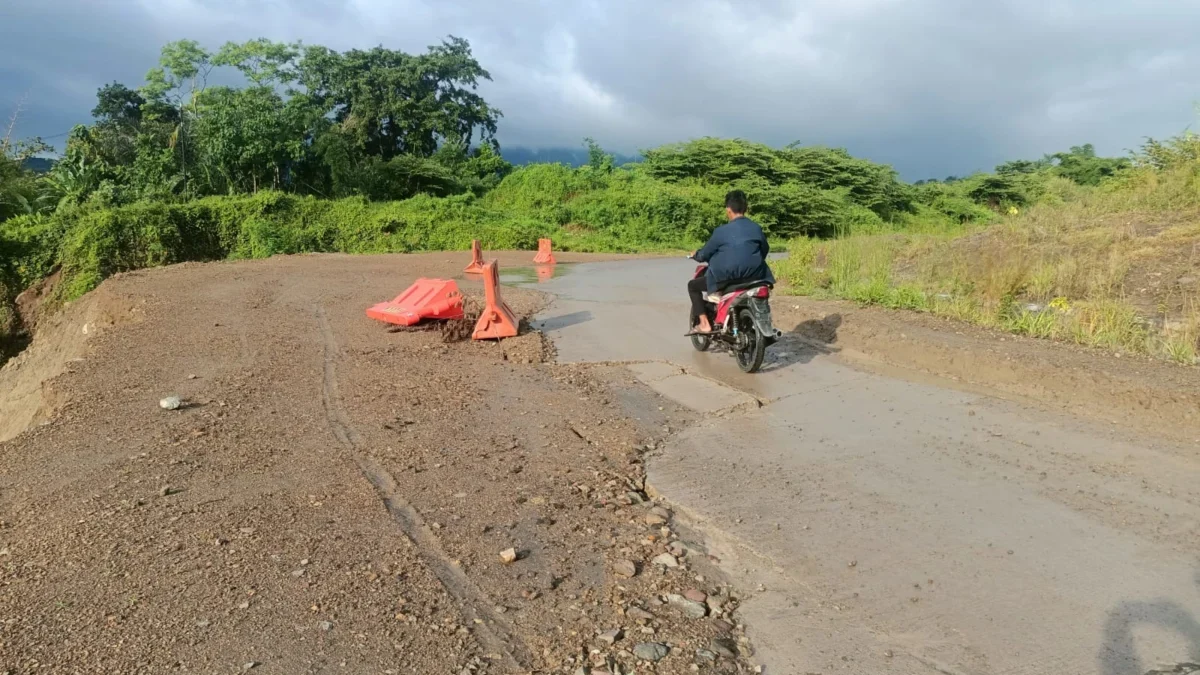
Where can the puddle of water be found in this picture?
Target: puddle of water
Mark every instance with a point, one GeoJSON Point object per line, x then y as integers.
{"type": "Point", "coordinates": [534, 274]}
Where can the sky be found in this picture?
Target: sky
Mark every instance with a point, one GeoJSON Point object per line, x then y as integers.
{"type": "Point", "coordinates": [932, 87]}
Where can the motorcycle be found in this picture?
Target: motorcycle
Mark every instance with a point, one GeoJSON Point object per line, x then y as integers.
{"type": "Point", "coordinates": [741, 318]}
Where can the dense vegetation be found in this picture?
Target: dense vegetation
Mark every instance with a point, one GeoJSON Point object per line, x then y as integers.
{"type": "Point", "coordinates": [1102, 252]}
{"type": "Point", "coordinates": [379, 150]}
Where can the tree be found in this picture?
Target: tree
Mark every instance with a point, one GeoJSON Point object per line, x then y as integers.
{"type": "Point", "coordinates": [1080, 164]}
{"type": "Point", "coordinates": [118, 105]}
{"type": "Point", "coordinates": [263, 62]}
{"type": "Point", "coordinates": [390, 103]}
{"type": "Point", "coordinates": [245, 139]}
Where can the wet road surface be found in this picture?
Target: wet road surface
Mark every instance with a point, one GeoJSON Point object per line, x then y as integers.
{"type": "Point", "coordinates": [898, 527]}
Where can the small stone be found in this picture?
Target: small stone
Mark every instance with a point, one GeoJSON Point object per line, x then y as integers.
{"type": "Point", "coordinates": [666, 560]}
{"type": "Point", "coordinates": [610, 637]}
{"type": "Point", "coordinates": [298, 573]}
{"type": "Point", "coordinates": [165, 491]}
{"type": "Point", "coordinates": [651, 651]}
{"type": "Point", "coordinates": [690, 608]}
{"type": "Point", "coordinates": [249, 665]}
{"type": "Point", "coordinates": [639, 614]}
{"type": "Point", "coordinates": [722, 626]}
{"type": "Point", "coordinates": [203, 623]}
{"type": "Point", "coordinates": [244, 605]}
{"type": "Point", "coordinates": [325, 625]}
{"type": "Point", "coordinates": [853, 563]}
{"type": "Point", "coordinates": [888, 654]}
{"type": "Point", "coordinates": [705, 656]}
{"type": "Point", "coordinates": [715, 605]}
{"type": "Point", "coordinates": [655, 519]}
{"type": "Point", "coordinates": [625, 568]}
{"type": "Point", "coordinates": [661, 512]}
{"type": "Point", "coordinates": [724, 647]}
{"type": "Point", "coordinates": [695, 595]}
{"type": "Point", "coordinates": [170, 403]}
{"type": "Point", "coordinates": [192, 377]}
{"type": "Point", "coordinates": [508, 556]}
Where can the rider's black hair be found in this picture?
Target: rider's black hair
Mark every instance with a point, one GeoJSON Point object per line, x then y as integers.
{"type": "Point", "coordinates": [736, 201]}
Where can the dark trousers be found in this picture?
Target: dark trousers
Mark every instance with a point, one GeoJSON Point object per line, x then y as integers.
{"type": "Point", "coordinates": [696, 289]}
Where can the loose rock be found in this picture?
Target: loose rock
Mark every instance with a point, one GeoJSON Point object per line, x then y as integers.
{"type": "Point", "coordinates": [625, 568]}
{"type": "Point", "coordinates": [705, 656]}
{"type": "Point", "coordinates": [508, 556]}
{"type": "Point", "coordinates": [655, 519]}
{"type": "Point", "coordinates": [666, 560]}
{"type": "Point", "coordinates": [610, 637]}
{"type": "Point", "coordinates": [690, 608]}
{"type": "Point", "coordinates": [651, 651]}
{"type": "Point", "coordinates": [639, 614]}
{"type": "Point", "coordinates": [695, 595]}
{"type": "Point", "coordinates": [724, 647]}
{"type": "Point", "coordinates": [325, 626]}
{"type": "Point", "coordinates": [170, 403]}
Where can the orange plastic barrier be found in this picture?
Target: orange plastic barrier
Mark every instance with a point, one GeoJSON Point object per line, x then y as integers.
{"type": "Point", "coordinates": [425, 299]}
{"type": "Point", "coordinates": [544, 254]}
{"type": "Point", "coordinates": [497, 320]}
{"type": "Point", "coordinates": [476, 266]}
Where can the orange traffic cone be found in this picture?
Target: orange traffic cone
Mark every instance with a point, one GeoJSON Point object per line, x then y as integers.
{"type": "Point", "coordinates": [497, 320]}
{"type": "Point", "coordinates": [476, 265]}
{"type": "Point", "coordinates": [544, 254]}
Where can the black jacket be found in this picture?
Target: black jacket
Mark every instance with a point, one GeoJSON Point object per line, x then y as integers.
{"type": "Point", "coordinates": [736, 252]}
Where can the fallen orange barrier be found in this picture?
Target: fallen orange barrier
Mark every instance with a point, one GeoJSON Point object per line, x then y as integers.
{"type": "Point", "coordinates": [476, 265]}
{"type": "Point", "coordinates": [544, 254]}
{"type": "Point", "coordinates": [497, 320]}
{"type": "Point", "coordinates": [425, 299]}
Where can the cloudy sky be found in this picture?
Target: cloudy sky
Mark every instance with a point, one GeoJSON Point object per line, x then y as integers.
{"type": "Point", "coordinates": [933, 87]}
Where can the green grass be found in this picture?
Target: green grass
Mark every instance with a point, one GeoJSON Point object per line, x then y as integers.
{"type": "Point", "coordinates": [1056, 270]}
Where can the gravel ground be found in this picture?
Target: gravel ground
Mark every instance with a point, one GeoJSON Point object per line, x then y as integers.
{"type": "Point", "coordinates": [332, 496]}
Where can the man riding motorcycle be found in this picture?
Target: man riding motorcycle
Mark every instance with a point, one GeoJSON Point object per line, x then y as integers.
{"type": "Point", "coordinates": [736, 253]}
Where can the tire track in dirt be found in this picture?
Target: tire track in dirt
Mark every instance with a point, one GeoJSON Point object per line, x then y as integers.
{"type": "Point", "coordinates": [493, 632]}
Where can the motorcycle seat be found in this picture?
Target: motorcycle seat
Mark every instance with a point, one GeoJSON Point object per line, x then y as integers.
{"type": "Point", "coordinates": [717, 297]}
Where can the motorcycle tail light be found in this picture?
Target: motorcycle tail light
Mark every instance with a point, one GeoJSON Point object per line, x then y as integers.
{"type": "Point", "coordinates": [762, 292]}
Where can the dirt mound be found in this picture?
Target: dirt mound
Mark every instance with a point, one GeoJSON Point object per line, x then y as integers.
{"type": "Point", "coordinates": [28, 394]}
{"type": "Point", "coordinates": [1139, 392]}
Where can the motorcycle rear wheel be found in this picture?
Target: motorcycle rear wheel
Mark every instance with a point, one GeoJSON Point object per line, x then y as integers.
{"type": "Point", "coordinates": [752, 345]}
{"type": "Point", "coordinates": [701, 343]}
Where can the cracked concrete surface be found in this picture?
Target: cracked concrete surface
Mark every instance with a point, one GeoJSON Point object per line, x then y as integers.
{"type": "Point", "coordinates": [892, 526]}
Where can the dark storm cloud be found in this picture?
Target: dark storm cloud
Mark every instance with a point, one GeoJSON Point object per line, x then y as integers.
{"type": "Point", "coordinates": [932, 86]}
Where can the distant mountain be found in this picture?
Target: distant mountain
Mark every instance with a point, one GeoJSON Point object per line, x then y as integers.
{"type": "Point", "coordinates": [39, 164]}
{"type": "Point", "coordinates": [569, 156]}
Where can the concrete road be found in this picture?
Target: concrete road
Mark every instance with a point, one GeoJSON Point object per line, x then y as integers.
{"type": "Point", "coordinates": [897, 527]}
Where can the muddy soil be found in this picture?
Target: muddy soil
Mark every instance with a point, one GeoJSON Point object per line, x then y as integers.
{"type": "Point", "coordinates": [332, 496]}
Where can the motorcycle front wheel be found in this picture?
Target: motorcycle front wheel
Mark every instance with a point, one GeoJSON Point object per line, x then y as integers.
{"type": "Point", "coordinates": [751, 344]}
